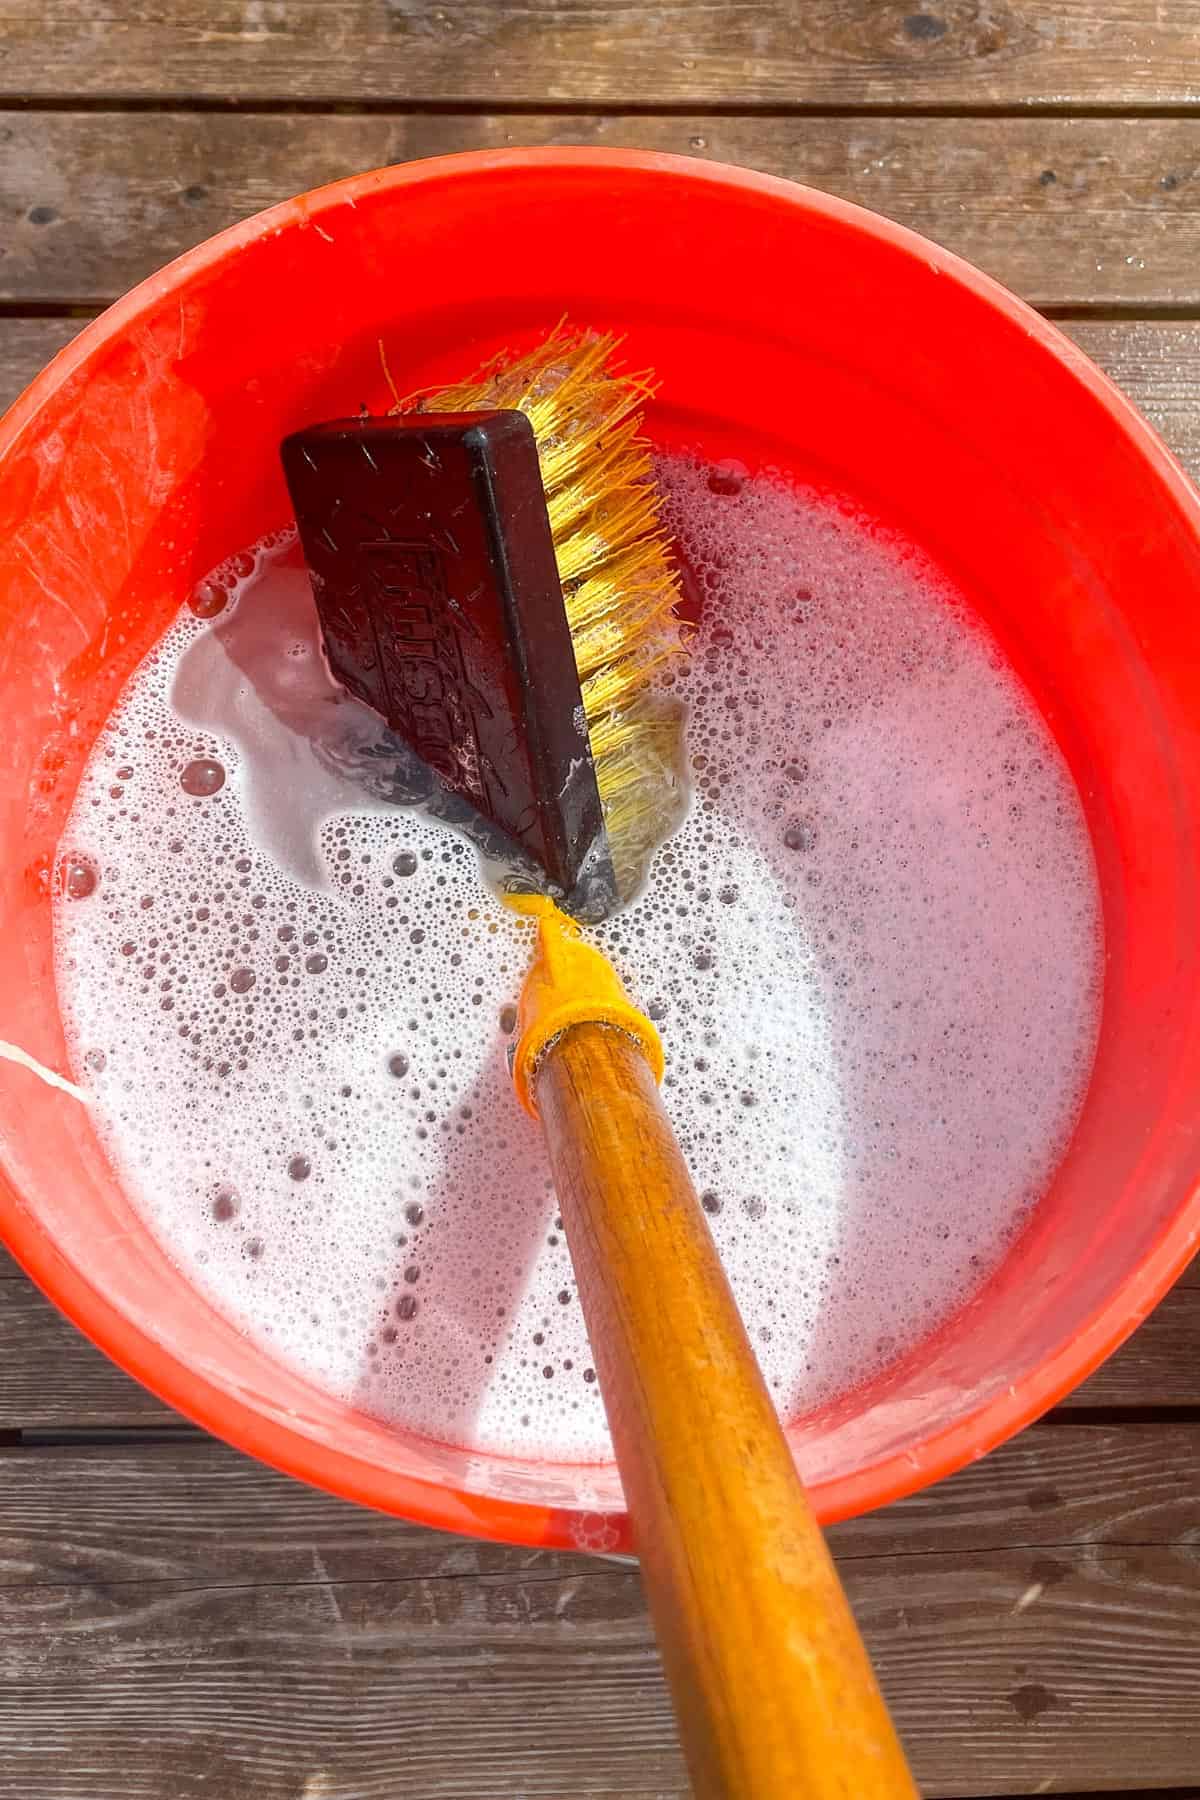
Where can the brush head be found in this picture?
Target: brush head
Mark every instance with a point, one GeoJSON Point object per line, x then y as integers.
{"type": "Point", "coordinates": [491, 576]}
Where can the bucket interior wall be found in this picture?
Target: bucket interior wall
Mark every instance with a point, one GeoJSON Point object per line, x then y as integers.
{"type": "Point", "coordinates": [782, 328]}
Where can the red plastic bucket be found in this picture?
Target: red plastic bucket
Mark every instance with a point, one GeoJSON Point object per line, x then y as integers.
{"type": "Point", "coordinates": [781, 323]}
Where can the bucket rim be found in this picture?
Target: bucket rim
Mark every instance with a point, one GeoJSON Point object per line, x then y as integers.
{"type": "Point", "coordinates": [221, 1409]}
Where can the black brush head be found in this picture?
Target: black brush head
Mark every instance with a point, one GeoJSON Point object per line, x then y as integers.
{"type": "Point", "coordinates": [432, 562]}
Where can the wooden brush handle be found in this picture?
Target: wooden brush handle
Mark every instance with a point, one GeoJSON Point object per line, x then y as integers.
{"type": "Point", "coordinates": [774, 1691]}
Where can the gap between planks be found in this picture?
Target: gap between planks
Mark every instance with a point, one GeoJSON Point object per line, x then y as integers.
{"type": "Point", "coordinates": [400, 105]}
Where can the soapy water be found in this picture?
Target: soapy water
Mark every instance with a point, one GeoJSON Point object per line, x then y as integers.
{"type": "Point", "coordinates": [872, 948]}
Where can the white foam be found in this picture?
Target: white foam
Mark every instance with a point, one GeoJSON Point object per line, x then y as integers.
{"type": "Point", "coordinates": [873, 949]}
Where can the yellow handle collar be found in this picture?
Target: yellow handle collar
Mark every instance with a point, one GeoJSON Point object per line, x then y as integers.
{"type": "Point", "coordinates": [570, 983]}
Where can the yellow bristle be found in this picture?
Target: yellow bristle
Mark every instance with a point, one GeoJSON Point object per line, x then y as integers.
{"type": "Point", "coordinates": [619, 584]}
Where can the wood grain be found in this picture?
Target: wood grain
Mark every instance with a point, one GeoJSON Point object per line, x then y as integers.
{"type": "Point", "coordinates": [183, 1621]}
{"type": "Point", "coordinates": [26, 346]}
{"type": "Point", "coordinates": [830, 53]}
{"type": "Point", "coordinates": [1069, 212]}
{"type": "Point", "coordinates": [176, 1620]}
{"type": "Point", "coordinates": [708, 1475]}
{"type": "Point", "coordinates": [192, 1512]}
{"type": "Point", "coordinates": [51, 1376]}
{"type": "Point", "coordinates": [1157, 364]}
{"type": "Point", "coordinates": [1158, 1366]}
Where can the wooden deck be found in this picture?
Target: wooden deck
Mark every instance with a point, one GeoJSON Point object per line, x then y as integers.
{"type": "Point", "coordinates": [178, 1621]}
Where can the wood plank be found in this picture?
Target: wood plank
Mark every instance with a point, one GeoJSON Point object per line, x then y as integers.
{"type": "Point", "coordinates": [51, 1378]}
{"type": "Point", "coordinates": [1069, 212]}
{"type": "Point", "coordinates": [192, 1511]}
{"type": "Point", "coordinates": [1158, 1366]}
{"type": "Point", "coordinates": [751, 52]}
{"type": "Point", "coordinates": [26, 346]}
{"type": "Point", "coordinates": [1157, 364]}
{"type": "Point", "coordinates": [1034, 1630]}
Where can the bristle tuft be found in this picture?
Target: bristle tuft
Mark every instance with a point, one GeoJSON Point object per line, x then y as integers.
{"type": "Point", "coordinates": [619, 584]}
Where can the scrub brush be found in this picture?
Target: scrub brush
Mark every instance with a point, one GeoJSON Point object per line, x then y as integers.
{"type": "Point", "coordinates": [492, 577]}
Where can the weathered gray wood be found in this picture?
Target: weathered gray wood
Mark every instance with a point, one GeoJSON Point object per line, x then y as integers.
{"type": "Point", "coordinates": [195, 1512]}
{"type": "Point", "coordinates": [1160, 1363]}
{"type": "Point", "coordinates": [1158, 366]}
{"type": "Point", "coordinates": [26, 346]}
{"type": "Point", "coordinates": [773, 52]}
{"type": "Point", "coordinates": [1069, 212]}
{"type": "Point", "coordinates": [51, 1377]}
{"type": "Point", "coordinates": [179, 1620]}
